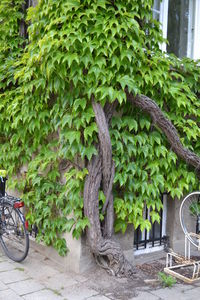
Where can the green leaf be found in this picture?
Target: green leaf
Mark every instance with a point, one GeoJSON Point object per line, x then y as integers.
{"type": "Point", "coordinates": [155, 217]}
{"type": "Point", "coordinates": [129, 82]}
{"type": "Point", "coordinates": [73, 136]}
{"type": "Point", "coordinates": [69, 224]}
{"type": "Point", "coordinates": [90, 130]}
{"type": "Point", "coordinates": [80, 103]}
{"type": "Point", "coordinates": [120, 226]}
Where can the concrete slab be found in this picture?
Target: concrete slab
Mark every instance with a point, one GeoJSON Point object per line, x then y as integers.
{"type": "Point", "coordinates": [12, 276]}
{"type": "Point", "coordinates": [39, 269]}
{"type": "Point", "coordinates": [80, 278]}
{"type": "Point", "coordinates": [59, 281]}
{"type": "Point", "coordinates": [3, 286]}
{"type": "Point", "coordinates": [145, 296]}
{"type": "Point", "coordinates": [192, 294]}
{"type": "Point", "coordinates": [172, 293]}
{"type": "Point", "coordinates": [34, 253]}
{"type": "Point", "coordinates": [98, 297]}
{"type": "Point", "coordinates": [6, 266]}
{"type": "Point", "coordinates": [9, 295]}
{"type": "Point", "coordinates": [183, 287]}
{"type": "Point", "coordinates": [25, 287]}
{"type": "Point", "coordinates": [78, 293]}
{"type": "Point", "coordinates": [2, 256]}
{"type": "Point", "coordinates": [42, 295]}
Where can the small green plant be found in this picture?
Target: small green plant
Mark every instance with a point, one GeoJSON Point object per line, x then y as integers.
{"type": "Point", "coordinates": [56, 292]}
{"type": "Point", "coordinates": [20, 269]}
{"type": "Point", "coordinates": [166, 280]}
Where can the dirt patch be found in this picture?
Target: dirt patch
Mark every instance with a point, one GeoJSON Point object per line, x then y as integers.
{"type": "Point", "coordinates": [151, 270]}
{"type": "Point", "coordinates": [126, 288]}
{"type": "Point", "coordinates": [185, 271]}
{"type": "Point", "coordinates": [112, 287]}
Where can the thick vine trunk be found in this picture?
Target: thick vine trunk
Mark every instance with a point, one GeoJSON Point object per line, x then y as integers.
{"type": "Point", "coordinates": [108, 170]}
{"type": "Point", "coordinates": [108, 253]}
{"type": "Point", "coordinates": [148, 105]}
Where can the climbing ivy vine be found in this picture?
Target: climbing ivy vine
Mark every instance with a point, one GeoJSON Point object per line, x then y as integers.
{"type": "Point", "coordinates": [76, 50]}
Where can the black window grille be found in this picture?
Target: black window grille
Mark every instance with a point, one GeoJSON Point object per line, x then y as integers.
{"type": "Point", "coordinates": [155, 237]}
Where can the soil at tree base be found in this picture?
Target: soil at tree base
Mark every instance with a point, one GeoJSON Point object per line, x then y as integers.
{"type": "Point", "coordinates": [125, 288]}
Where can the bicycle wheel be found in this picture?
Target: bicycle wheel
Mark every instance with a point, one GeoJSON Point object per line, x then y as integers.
{"type": "Point", "coordinates": [190, 217]}
{"type": "Point", "coordinates": [14, 237]}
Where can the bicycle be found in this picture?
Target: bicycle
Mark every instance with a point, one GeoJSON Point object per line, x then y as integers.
{"type": "Point", "coordinates": [14, 236]}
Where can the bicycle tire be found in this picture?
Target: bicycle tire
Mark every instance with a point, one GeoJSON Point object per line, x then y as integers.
{"type": "Point", "coordinates": [189, 212]}
{"type": "Point", "coordinates": [14, 237]}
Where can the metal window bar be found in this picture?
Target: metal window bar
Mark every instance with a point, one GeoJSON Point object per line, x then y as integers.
{"type": "Point", "coordinates": [137, 239]}
{"type": "Point", "coordinates": [161, 222]}
{"type": "Point", "coordinates": [153, 234]}
{"type": "Point", "coordinates": [142, 239]}
{"type": "Point", "coordinates": [155, 11]}
{"type": "Point", "coordinates": [145, 243]}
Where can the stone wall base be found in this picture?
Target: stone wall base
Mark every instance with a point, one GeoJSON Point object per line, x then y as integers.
{"type": "Point", "coordinates": [78, 259]}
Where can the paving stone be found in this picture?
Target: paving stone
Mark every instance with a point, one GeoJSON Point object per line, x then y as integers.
{"type": "Point", "coordinates": [12, 276]}
{"type": "Point", "coordinates": [145, 296]}
{"type": "Point", "coordinates": [80, 278]}
{"type": "Point", "coordinates": [3, 286]}
{"type": "Point", "coordinates": [170, 293]}
{"type": "Point", "coordinates": [40, 270]}
{"type": "Point", "coordinates": [78, 293]}
{"type": "Point", "coordinates": [59, 281]}
{"type": "Point", "coordinates": [98, 297]}
{"type": "Point", "coordinates": [40, 257]}
{"type": "Point", "coordinates": [42, 295]}
{"type": "Point", "coordinates": [195, 285]}
{"type": "Point", "coordinates": [3, 257]}
{"type": "Point", "coordinates": [183, 287]}
{"type": "Point", "coordinates": [9, 295]}
{"type": "Point", "coordinates": [6, 266]}
{"type": "Point", "coordinates": [26, 286]}
{"type": "Point", "coordinates": [192, 294]}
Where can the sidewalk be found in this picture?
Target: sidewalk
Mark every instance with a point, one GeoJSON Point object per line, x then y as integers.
{"type": "Point", "coordinates": [38, 278]}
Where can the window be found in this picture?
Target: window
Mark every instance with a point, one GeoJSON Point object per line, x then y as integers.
{"type": "Point", "coordinates": [184, 28]}
{"type": "Point", "coordinates": [153, 240]}
{"type": "Point", "coordinates": [180, 21]}
{"type": "Point", "coordinates": [180, 27]}
{"type": "Point", "coordinates": [196, 42]}
{"type": "Point", "coordinates": [160, 13]}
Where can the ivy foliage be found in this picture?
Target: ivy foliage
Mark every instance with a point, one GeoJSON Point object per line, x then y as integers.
{"type": "Point", "coordinates": [76, 49]}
